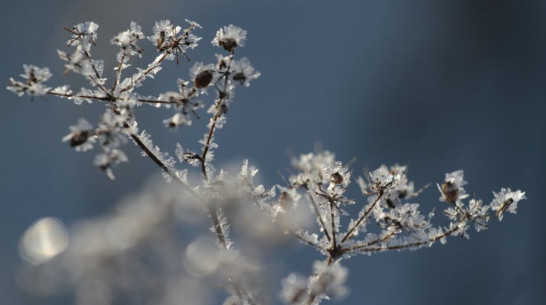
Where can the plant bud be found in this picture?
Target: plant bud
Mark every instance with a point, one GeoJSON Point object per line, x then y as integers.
{"type": "Point", "coordinates": [203, 79]}
{"type": "Point", "coordinates": [239, 77]}
{"type": "Point", "coordinates": [79, 138]}
{"type": "Point", "coordinates": [336, 178]}
{"type": "Point", "coordinates": [228, 44]}
{"type": "Point", "coordinates": [450, 192]}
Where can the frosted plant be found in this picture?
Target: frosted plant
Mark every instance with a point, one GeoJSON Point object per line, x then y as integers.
{"type": "Point", "coordinates": [137, 247]}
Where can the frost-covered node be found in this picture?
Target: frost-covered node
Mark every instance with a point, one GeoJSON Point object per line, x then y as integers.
{"type": "Point", "coordinates": [229, 37]}
{"type": "Point", "coordinates": [451, 189]}
{"type": "Point", "coordinates": [34, 77]}
{"type": "Point", "coordinates": [506, 200]}
{"type": "Point", "coordinates": [127, 41]}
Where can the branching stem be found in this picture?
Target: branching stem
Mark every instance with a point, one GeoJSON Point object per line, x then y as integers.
{"type": "Point", "coordinates": [319, 216]}
{"type": "Point", "coordinates": [361, 219]}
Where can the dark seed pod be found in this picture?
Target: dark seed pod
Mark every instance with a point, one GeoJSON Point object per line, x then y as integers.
{"type": "Point", "coordinates": [228, 44]}
{"type": "Point", "coordinates": [239, 77]}
{"type": "Point", "coordinates": [389, 203]}
{"type": "Point", "coordinates": [79, 138]}
{"type": "Point", "coordinates": [450, 192]}
{"type": "Point", "coordinates": [203, 79]}
{"type": "Point", "coordinates": [336, 178]}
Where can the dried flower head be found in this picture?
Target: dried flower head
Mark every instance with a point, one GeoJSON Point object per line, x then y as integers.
{"type": "Point", "coordinates": [451, 189]}
{"type": "Point", "coordinates": [203, 79]}
{"type": "Point", "coordinates": [202, 74]}
{"type": "Point", "coordinates": [336, 178]}
{"type": "Point", "coordinates": [34, 81]}
{"type": "Point", "coordinates": [229, 37]}
{"type": "Point", "coordinates": [506, 200]}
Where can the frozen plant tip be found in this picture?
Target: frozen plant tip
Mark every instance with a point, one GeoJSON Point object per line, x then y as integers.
{"type": "Point", "coordinates": [312, 206]}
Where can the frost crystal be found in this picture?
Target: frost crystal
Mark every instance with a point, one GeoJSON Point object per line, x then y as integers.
{"type": "Point", "coordinates": [506, 200]}
{"type": "Point", "coordinates": [294, 288]}
{"type": "Point", "coordinates": [381, 178]}
{"type": "Point", "coordinates": [229, 37]}
{"type": "Point", "coordinates": [243, 72]}
{"type": "Point", "coordinates": [127, 41]}
{"type": "Point", "coordinates": [33, 85]}
{"type": "Point", "coordinates": [328, 280]}
{"type": "Point", "coordinates": [452, 190]}
{"type": "Point", "coordinates": [83, 34]}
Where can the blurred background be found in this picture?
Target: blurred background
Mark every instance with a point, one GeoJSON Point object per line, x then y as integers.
{"type": "Point", "coordinates": [435, 85]}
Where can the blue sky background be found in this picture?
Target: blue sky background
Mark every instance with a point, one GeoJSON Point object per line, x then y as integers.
{"type": "Point", "coordinates": [436, 85]}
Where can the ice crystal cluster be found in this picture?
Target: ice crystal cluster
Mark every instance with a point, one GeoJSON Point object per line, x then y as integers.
{"type": "Point", "coordinates": [133, 255]}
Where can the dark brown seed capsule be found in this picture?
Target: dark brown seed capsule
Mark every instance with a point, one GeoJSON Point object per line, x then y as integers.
{"type": "Point", "coordinates": [336, 178]}
{"type": "Point", "coordinates": [450, 192]}
{"type": "Point", "coordinates": [390, 204]}
{"type": "Point", "coordinates": [228, 44]}
{"type": "Point", "coordinates": [203, 79]}
{"type": "Point", "coordinates": [239, 77]}
{"type": "Point", "coordinates": [79, 138]}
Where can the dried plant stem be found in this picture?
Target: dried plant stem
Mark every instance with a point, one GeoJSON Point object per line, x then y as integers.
{"type": "Point", "coordinates": [207, 145]}
{"type": "Point", "coordinates": [118, 72]}
{"type": "Point", "coordinates": [217, 114]}
{"type": "Point", "coordinates": [162, 165]}
{"type": "Point", "coordinates": [415, 244]}
{"type": "Point", "coordinates": [363, 217]}
{"type": "Point", "coordinates": [373, 242]}
{"type": "Point", "coordinates": [333, 226]}
{"type": "Point", "coordinates": [72, 96]}
{"type": "Point", "coordinates": [212, 210]}
{"type": "Point", "coordinates": [144, 73]}
{"type": "Point", "coordinates": [312, 296]}
{"type": "Point", "coordinates": [322, 223]}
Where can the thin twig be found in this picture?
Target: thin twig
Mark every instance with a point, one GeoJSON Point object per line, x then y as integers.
{"type": "Point", "coordinates": [415, 244]}
{"type": "Point", "coordinates": [333, 224]}
{"type": "Point", "coordinates": [162, 165]}
{"type": "Point", "coordinates": [118, 72]}
{"type": "Point", "coordinates": [315, 207]}
{"type": "Point", "coordinates": [366, 213]}
{"type": "Point", "coordinates": [215, 118]}
{"type": "Point", "coordinates": [370, 243]}
{"type": "Point", "coordinates": [152, 66]}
